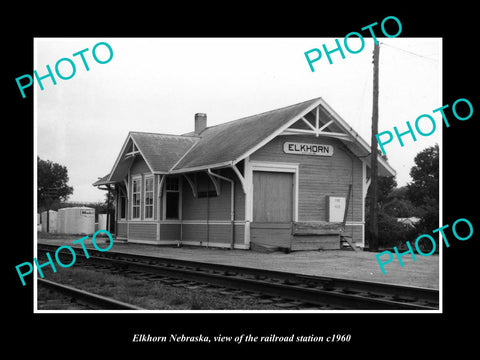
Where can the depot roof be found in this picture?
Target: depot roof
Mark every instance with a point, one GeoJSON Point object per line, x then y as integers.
{"type": "Point", "coordinates": [226, 144]}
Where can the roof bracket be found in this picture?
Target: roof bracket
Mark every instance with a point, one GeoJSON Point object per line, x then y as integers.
{"type": "Point", "coordinates": [161, 181]}
{"type": "Point", "coordinates": [131, 154]}
{"type": "Point", "coordinates": [192, 185]}
{"type": "Point", "coordinates": [324, 126]}
{"type": "Point", "coordinates": [215, 182]}
{"type": "Point", "coordinates": [122, 190]}
{"type": "Point", "coordinates": [240, 177]}
{"type": "Point", "coordinates": [308, 123]}
{"type": "Point", "coordinates": [127, 189]}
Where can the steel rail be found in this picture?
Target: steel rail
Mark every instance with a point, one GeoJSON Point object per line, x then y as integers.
{"type": "Point", "coordinates": [342, 293]}
{"type": "Point", "coordinates": [103, 302]}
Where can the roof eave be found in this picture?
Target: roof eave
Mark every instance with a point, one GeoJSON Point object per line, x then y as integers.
{"type": "Point", "coordinates": [347, 128]}
{"type": "Point", "coordinates": [387, 166]}
{"type": "Point", "coordinates": [105, 182]}
{"type": "Point", "coordinates": [202, 167]}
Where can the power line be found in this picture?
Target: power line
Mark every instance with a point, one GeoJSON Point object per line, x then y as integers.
{"type": "Point", "coordinates": [410, 52]}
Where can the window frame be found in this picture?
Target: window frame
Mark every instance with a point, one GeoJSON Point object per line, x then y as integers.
{"type": "Point", "coordinates": [122, 206]}
{"type": "Point", "coordinates": [137, 179]}
{"type": "Point", "coordinates": [145, 205]}
{"type": "Point", "coordinates": [165, 195]}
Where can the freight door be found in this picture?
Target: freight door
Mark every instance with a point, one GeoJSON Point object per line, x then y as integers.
{"type": "Point", "coordinates": [272, 208]}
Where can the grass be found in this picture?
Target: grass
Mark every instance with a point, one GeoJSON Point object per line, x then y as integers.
{"type": "Point", "coordinates": [151, 295]}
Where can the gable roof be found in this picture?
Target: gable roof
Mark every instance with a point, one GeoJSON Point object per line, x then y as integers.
{"type": "Point", "coordinates": [358, 146]}
{"type": "Point", "coordinates": [162, 151]}
{"type": "Point", "coordinates": [228, 143]}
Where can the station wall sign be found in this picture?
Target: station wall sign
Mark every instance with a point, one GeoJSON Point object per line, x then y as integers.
{"type": "Point", "coordinates": [307, 149]}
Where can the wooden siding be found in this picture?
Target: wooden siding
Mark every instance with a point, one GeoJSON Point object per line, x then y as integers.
{"type": "Point", "coordinates": [218, 207]}
{"type": "Point", "coordinates": [319, 176]}
{"type": "Point", "coordinates": [139, 166]}
{"type": "Point", "coordinates": [217, 233]}
{"type": "Point", "coordinates": [122, 229]}
{"type": "Point", "coordinates": [142, 231]}
{"type": "Point", "coordinates": [270, 234]}
{"type": "Point", "coordinates": [316, 242]}
{"type": "Point", "coordinates": [355, 231]}
{"type": "Point", "coordinates": [194, 232]}
{"type": "Point", "coordinates": [169, 232]}
{"type": "Point", "coordinates": [280, 235]}
{"type": "Point", "coordinates": [268, 204]}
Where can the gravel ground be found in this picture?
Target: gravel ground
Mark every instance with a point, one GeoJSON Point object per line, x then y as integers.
{"type": "Point", "coordinates": [358, 265]}
{"type": "Point", "coordinates": [147, 294]}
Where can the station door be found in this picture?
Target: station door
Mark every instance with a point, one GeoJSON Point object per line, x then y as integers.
{"type": "Point", "coordinates": [272, 208]}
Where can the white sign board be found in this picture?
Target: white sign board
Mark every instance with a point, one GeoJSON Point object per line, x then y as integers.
{"type": "Point", "coordinates": [88, 212]}
{"type": "Point", "coordinates": [307, 149]}
{"type": "Point", "coordinates": [336, 208]}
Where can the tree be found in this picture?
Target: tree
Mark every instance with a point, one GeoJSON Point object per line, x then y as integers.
{"type": "Point", "coordinates": [419, 198]}
{"type": "Point", "coordinates": [52, 187]}
{"type": "Point", "coordinates": [423, 191]}
{"type": "Point", "coordinates": [391, 205]}
{"type": "Point", "coordinates": [398, 205]}
{"type": "Point", "coordinates": [389, 230]}
{"type": "Point", "coordinates": [385, 186]}
{"type": "Point", "coordinates": [425, 173]}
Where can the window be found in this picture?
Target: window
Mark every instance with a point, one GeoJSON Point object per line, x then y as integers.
{"type": "Point", "coordinates": [172, 198]}
{"type": "Point", "coordinates": [148, 210]}
{"type": "Point", "coordinates": [123, 207]}
{"type": "Point", "coordinates": [136, 184]}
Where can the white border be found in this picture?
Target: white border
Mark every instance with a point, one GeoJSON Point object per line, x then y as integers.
{"type": "Point", "coordinates": [247, 223]}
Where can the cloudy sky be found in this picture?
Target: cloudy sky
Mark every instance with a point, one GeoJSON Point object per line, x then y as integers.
{"type": "Point", "coordinates": [158, 84]}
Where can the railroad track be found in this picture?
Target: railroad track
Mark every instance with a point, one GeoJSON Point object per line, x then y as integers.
{"type": "Point", "coordinates": [306, 291]}
{"type": "Point", "coordinates": [87, 299]}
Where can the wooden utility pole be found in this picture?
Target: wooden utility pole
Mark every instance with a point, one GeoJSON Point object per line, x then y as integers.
{"type": "Point", "coordinates": [373, 245]}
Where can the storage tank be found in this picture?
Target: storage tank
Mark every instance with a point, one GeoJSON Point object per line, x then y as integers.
{"type": "Point", "coordinates": [60, 221]}
{"type": "Point", "coordinates": [52, 219]}
{"type": "Point", "coordinates": [76, 220]}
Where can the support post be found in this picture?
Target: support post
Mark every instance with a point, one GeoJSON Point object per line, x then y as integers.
{"type": "Point", "coordinates": [232, 202]}
{"type": "Point", "coordinates": [108, 209]}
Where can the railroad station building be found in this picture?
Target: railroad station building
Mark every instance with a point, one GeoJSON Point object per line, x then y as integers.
{"type": "Point", "coordinates": [291, 178]}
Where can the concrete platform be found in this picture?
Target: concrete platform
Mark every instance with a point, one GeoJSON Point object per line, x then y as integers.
{"type": "Point", "coordinates": [356, 265]}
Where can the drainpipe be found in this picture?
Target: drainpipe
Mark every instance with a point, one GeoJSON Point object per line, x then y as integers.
{"type": "Point", "coordinates": [232, 202]}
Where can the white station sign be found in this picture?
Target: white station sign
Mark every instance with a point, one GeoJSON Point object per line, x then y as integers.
{"type": "Point", "coordinates": [307, 149]}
